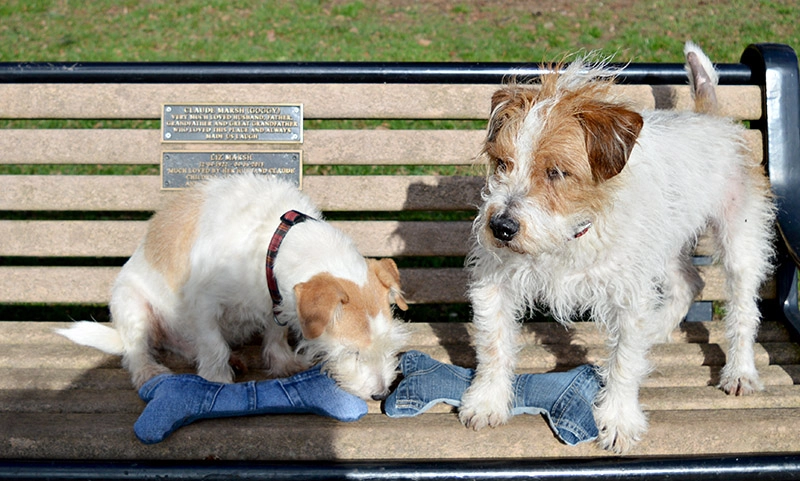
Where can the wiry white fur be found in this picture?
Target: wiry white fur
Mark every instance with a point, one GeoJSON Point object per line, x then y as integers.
{"type": "Point", "coordinates": [225, 300]}
{"type": "Point", "coordinates": [630, 272]}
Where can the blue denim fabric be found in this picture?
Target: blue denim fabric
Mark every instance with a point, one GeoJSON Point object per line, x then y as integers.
{"type": "Point", "coordinates": [177, 400]}
{"type": "Point", "coordinates": [564, 399]}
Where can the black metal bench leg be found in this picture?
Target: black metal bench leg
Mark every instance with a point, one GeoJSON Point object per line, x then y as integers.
{"type": "Point", "coordinates": [775, 67]}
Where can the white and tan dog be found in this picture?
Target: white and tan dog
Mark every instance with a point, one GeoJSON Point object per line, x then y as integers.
{"type": "Point", "coordinates": [197, 285]}
{"type": "Point", "coordinates": [594, 208]}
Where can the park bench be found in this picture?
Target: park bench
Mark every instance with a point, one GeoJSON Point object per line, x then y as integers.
{"type": "Point", "coordinates": [389, 154]}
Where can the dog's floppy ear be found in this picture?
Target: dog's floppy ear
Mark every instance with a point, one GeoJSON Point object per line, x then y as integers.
{"type": "Point", "coordinates": [319, 301]}
{"type": "Point", "coordinates": [611, 132]}
{"type": "Point", "coordinates": [507, 102]}
{"type": "Point", "coordinates": [387, 273]}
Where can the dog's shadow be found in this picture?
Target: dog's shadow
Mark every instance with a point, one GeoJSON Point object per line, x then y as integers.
{"type": "Point", "coordinates": [713, 354]}
{"type": "Point", "coordinates": [665, 96]}
{"type": "Point", "coordinates": [565, 345]}
{"type": "Point", "coordinates": [435, 248]}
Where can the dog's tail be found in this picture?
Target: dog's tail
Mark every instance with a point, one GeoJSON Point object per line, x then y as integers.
{"type": "Point", "coordinates": [96, 335]}
{"type": "Point", "coordinates": [703, 79]}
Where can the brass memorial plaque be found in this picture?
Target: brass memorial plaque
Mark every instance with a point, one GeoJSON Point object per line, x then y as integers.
{"type": "Point", "coordinates": [181, 169]}
{"type": "Point", "coordinates": [281, 123]}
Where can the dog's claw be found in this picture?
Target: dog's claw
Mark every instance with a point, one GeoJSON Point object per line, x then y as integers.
{"type": "Point", "coordinates": [616, 442]}
{"type": "Point", "coordinates": [476, 421]}
{"type": "Point", "coordinates": [620, 428]}
{"type": "Point", "coordinates": [739, 382]}
{"type": "Point", "coordinates": [740, 386]}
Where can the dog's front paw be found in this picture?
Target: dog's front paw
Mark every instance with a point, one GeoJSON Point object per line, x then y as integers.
{"type": "Point", "coordinates": [479, 410]}
{"type": "Point", "coordinates": [619, 430]}
{"type": "Point", "coordinates": [739, 384]}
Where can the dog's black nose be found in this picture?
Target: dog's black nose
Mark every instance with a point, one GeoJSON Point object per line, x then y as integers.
{"type": "Point", "coordinates": [379, 397]}
{"type": "Point", "coordinates": [503, 227]}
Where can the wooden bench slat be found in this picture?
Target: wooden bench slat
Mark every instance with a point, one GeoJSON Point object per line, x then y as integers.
{"type": "Point", "coordinates": [531, 358]}
{"type": "Point", "coordinates": [331, 193]}
{"type": "Point", "coordinates": [423, 335]}
{"type": "Point", "coordinates": [320, 147]}
{"type": "Point", "coordinates": [56, 285]}
{"type": "Point", "coordinates": [123, 399]}
{"type": "Point", "coordinates": [91, 285]}
{"type": "Point", "coordinates": [70, 238]}
{"type": "Point", "coordinates": [63, 379]}
{"type": "Point", "coordinates": [92, 238]}
{"type": "Point", "coordinates": [120, 238]}
{"type": "Point", "coordinates": [320, 101]}
{"type": "Point", "coordinates": [375, 437]}
{"type": "Point", "coordinates": [690, 380]}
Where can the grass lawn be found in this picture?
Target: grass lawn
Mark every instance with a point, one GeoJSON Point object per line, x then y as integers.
{"type": "Point", "coordinates": [386, 30]}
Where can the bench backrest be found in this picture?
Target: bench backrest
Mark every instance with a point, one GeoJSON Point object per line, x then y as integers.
{"type": "Point", "coordinates": [391, 159]}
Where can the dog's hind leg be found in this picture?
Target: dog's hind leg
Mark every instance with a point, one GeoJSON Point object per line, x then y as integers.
{"type": "Point", "coordinates": [680, 287]}
{"type": "Point", "coordinates": [137, 324]}
{"type": "Point", "coordinates": [745, 236]}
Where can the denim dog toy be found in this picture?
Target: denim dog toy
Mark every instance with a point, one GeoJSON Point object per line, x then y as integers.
{"type": "Point", "coordinates": [564, 398]}
{"type": "Point", "coordinates": [175, 400]}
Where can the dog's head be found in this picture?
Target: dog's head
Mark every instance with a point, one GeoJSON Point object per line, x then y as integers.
{"type": "Point", "coordinates": [554, 152]}
{"type": "Point", "coordinates": [351, 328]}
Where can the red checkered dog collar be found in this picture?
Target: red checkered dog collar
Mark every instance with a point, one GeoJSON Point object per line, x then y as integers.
{"type": "Point", "coordinates": [288, 220]}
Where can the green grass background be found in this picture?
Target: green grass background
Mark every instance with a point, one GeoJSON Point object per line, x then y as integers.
{"type": "Point", "coordinates": [385, 30]}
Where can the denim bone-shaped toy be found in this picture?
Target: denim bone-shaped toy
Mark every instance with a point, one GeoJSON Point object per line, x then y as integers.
{"type": "Point", "coordinates": [564, 399]}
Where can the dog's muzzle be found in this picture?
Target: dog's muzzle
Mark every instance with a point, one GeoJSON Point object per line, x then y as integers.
{"type": "Point", "coordinates": [504, 228]}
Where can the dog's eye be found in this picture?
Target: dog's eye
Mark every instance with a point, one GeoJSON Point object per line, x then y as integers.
{"type": "Point", "coordinates": [554, 173]}
{"type": "Point", "coordinates": [501, 165]}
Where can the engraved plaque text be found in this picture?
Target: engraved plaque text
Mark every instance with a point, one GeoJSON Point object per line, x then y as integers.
{"type": "Point", "coordinates": [232, 123]}
{"type": "Point", "coordinates": [181, 169]}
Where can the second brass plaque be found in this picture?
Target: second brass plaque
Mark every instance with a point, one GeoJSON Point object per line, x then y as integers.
{"type": "Point", "coordinates": [182, 169]}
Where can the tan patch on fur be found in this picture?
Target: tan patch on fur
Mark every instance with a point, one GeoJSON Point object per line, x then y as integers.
{"type": "Point", "coordinates": [341, 308]}
{"type": "Point", "coordinates": [584, 140]}
{"type": "Point", "coordinates": [388, 275]}
{"type": "Point", "coordinates": [170, 236]}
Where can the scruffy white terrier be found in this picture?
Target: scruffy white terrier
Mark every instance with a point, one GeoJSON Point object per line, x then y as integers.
{"type": "Point", "coordinates": [198, 284]}
{"type": "Point", "coordinates": [594, 208]}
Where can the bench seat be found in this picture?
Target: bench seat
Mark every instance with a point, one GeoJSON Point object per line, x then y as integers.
{"type": "Point", "coordinates": [49, 387]}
